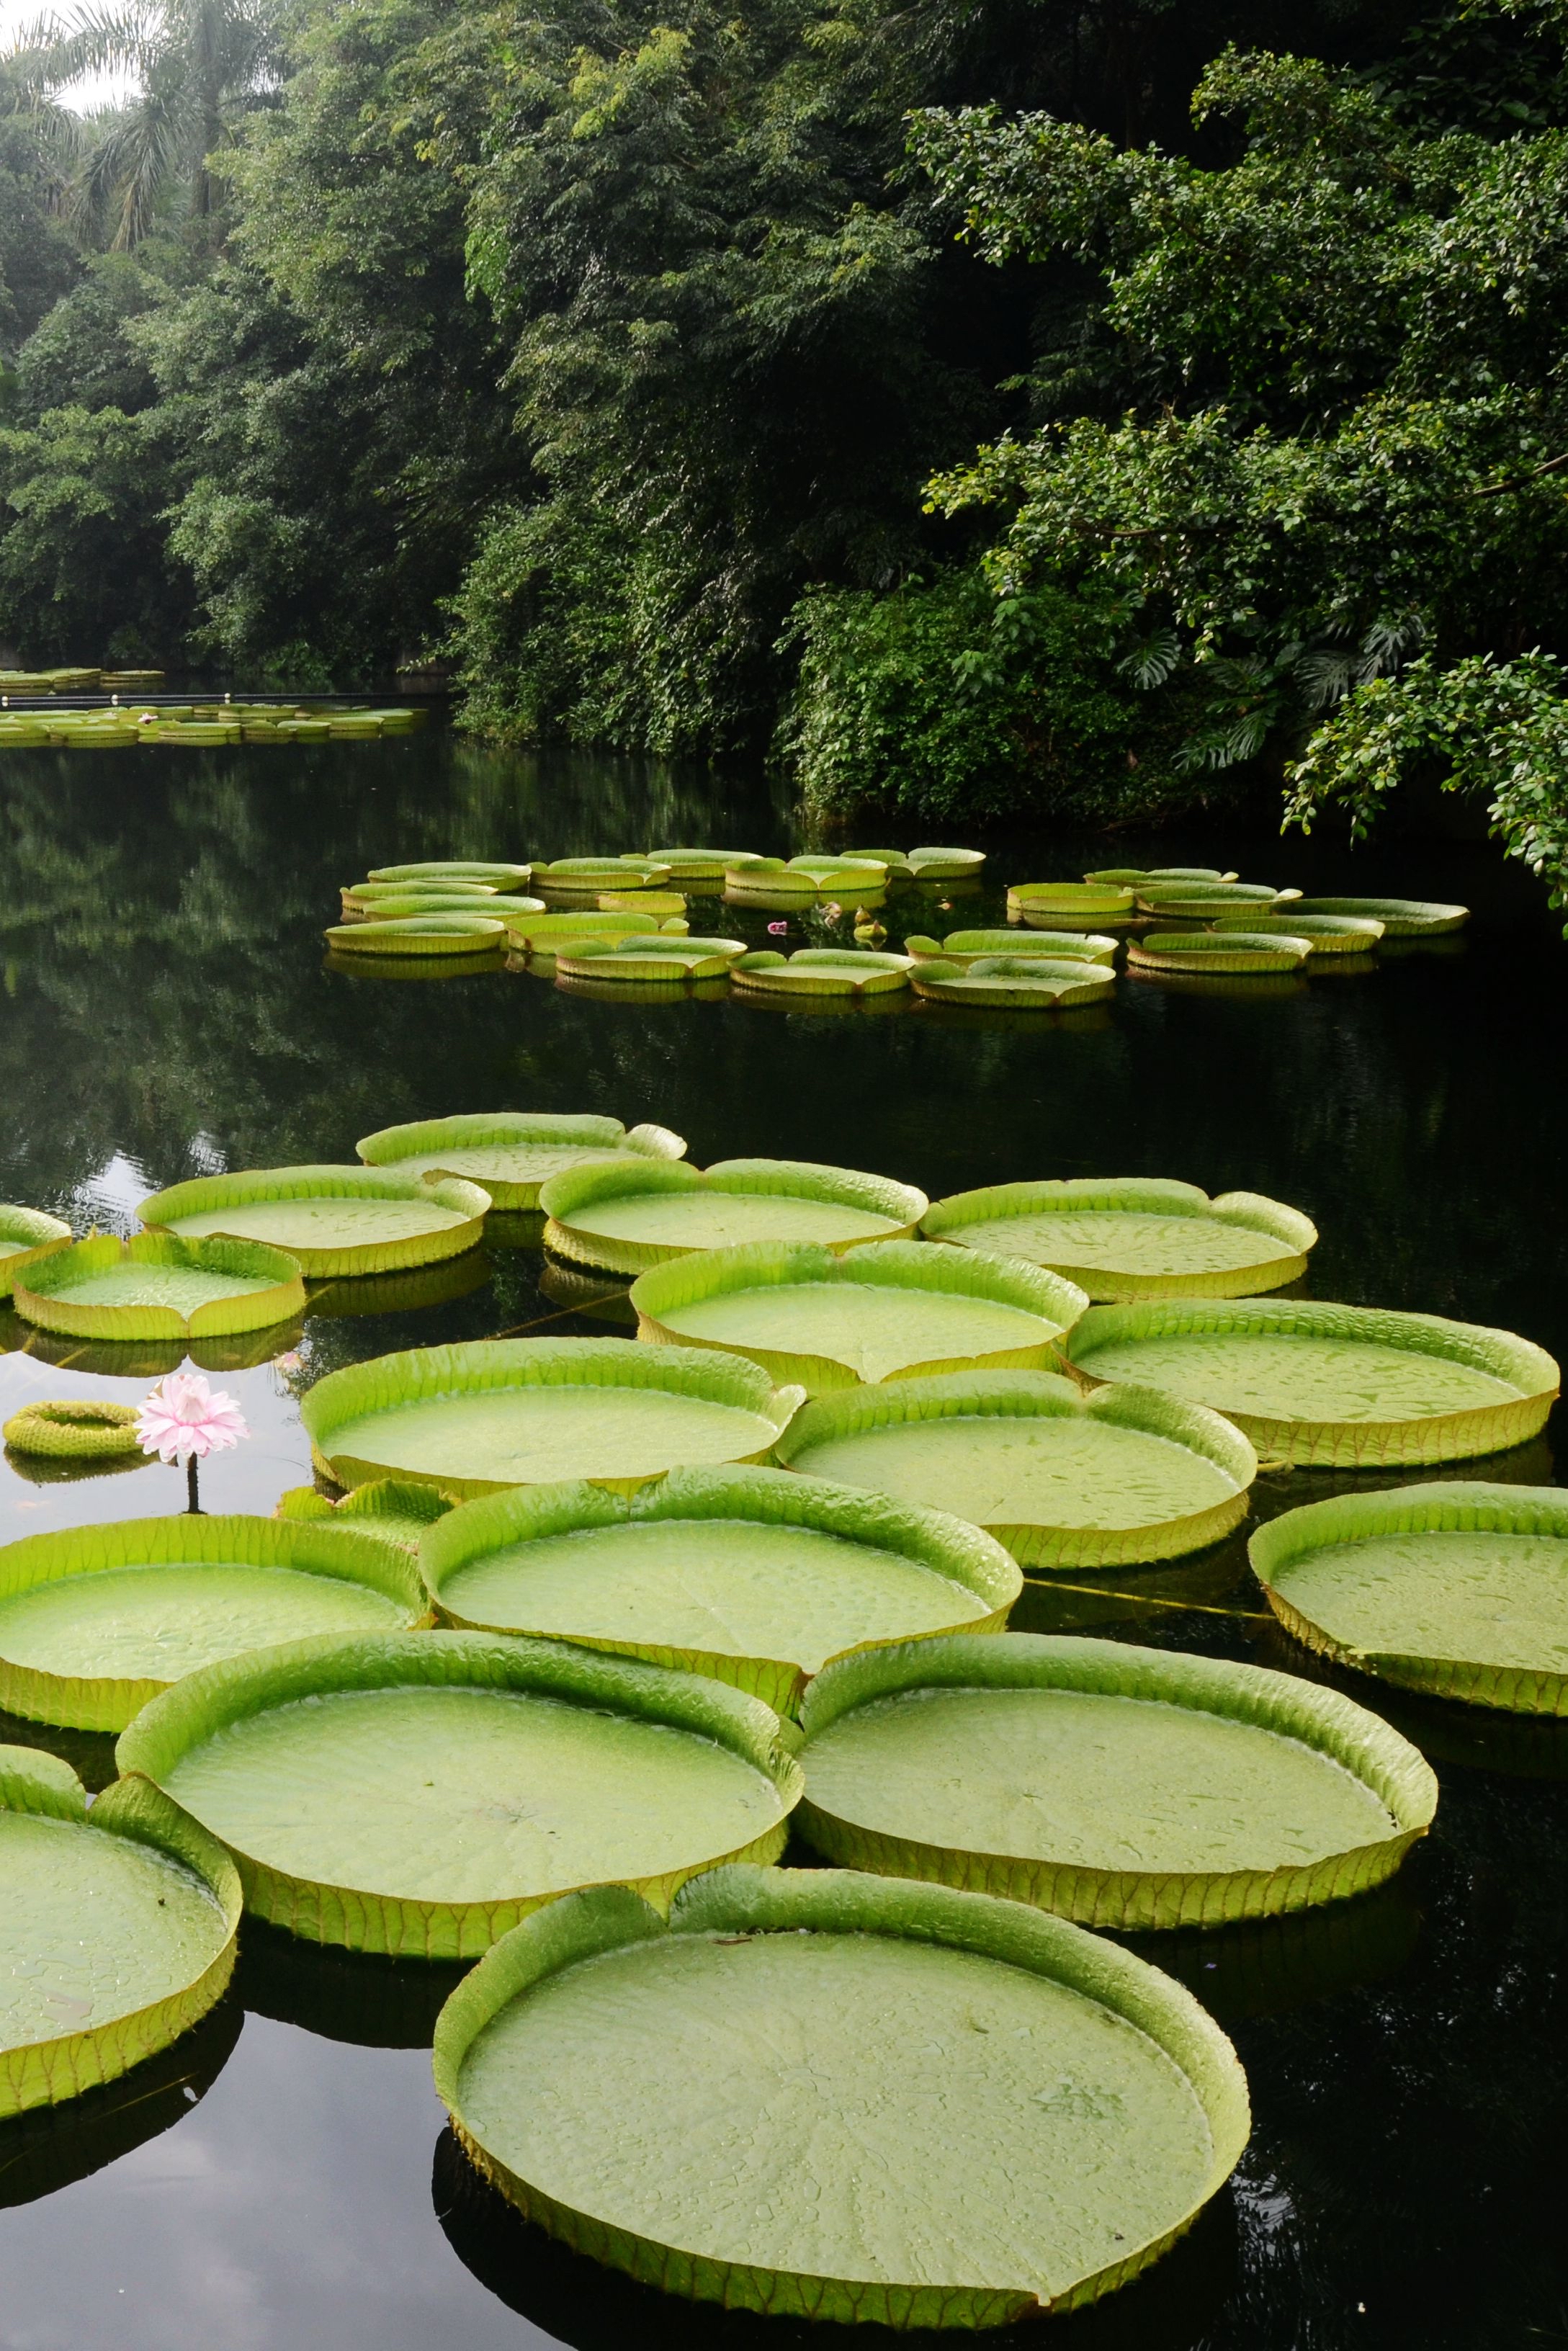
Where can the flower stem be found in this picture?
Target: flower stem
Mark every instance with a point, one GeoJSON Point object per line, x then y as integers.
{"type": "Point", "coordinates": [193, 1503]}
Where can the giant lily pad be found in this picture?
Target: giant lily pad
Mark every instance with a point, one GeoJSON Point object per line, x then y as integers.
{"type": "Point", "coordinates": [159, 1285]}
{"type": "Point", "coordinates": [1070, 906]}
{"type": "Point", "coordinates": [1133, 1236]}
{"type": "Point", "coordinates": [630, 1216]}
{"type": "Point", "coordinates": [491, 906]}
{"type": "Point", "coordinates": [1133, 877]}
{"type": "Point", "coordinates": [849, 879]}
{"type": "Point", "coordinates": [826, 2095]}
{"type": "Point", "coordinates": [701, 870]}
{"type": "Point", "coordinates": [392, 1513]}
{"type": "Point", "coordinates": [644, 959]}
{"type": "Point", "coordinates": [569, 881]}
{"type": "Point", "coordinates": [419, 935]}
{"type": "Point", "coordinates": [96, 1620]}
{"type": "Point", "coordinates": [332, 1220]}
{"type": "Point", "coordinates": [1402, 918]}
{"type": "Point", "coordinates": [26, 1234]}
{"type": "Point", "coordinates": [889, 1309]}
{"type": "Point", "coordinates": [420, 1792]}
{"type": "Point", "coordinates": [511, 1153]}
{"type": "Point", "coordinates": [1201, 901]}
{"type": "Point", "coordinates": [1330, 1387]}
{"type": "Point", "coordinates": [1219, 951]}
{"type": "Point", "coordinates": [747, 1574]}
{"type": "Point", "coordinates": [822, 971]}
{"type": "Point", "coordinates": [1118, 1786]}
{"type": "Point", "coordinates": [526, 1412]}
{"type": "Point", "coordinates": [542, 936]}
{"type": "Point", "coordinates": [1325, 935]}
{"type": "Point", "coordinates": [493, 877]}
{"type": "Point", "coordinates": [1062, 1480]}
{"type": "Point", "coordinates": [938, 864]}
{"type": "Point", "coordinates": [117, 1933]}
{"type": "Point", "coordinates": [1461, 1590]}
{"type": "Point", "coordinates": [1054, 946]}
{"type": "Point", "coordinates": [360, 897]}
{"type": "Point", "coordinates": [1022, 983]}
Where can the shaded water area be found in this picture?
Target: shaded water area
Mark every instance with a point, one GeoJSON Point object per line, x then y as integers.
{"type": "Point", "coordinates": [283, 2176]}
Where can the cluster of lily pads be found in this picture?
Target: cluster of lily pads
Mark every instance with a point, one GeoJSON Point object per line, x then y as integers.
{"type": "Point", "coordinates": [32, 682]}
{"type": "Point", "coordinates": [198, 724]}
{"type": "Point", "coordinates": [619, 926]}
{"type": "Point", "coordinates": [570, 1635]}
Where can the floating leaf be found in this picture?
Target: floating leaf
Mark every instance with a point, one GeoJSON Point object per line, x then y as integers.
{"type": "Point", "coordinates": [421, 1793]}
{"type": "Point", "coordinates": [1118, 1786]}
{"type": "Point", "coordinates": [493, 877]}
{"type": "Point", "coordinates": [889, 1310]}
{"type": "Point", "coordinates": [1023, 983]}
{"type": "Point", "coordinates": [1219, 951]}
{"type": "Point", "coordinates": [1199, 901]}
{"type": "Point", "coordinates": [392, 1512]}
{"type": "Point", "coordinates": [1402, 918]}
{"type": "Point", "coordinates": [1131, 876]}
{"type": "Point", "coordinates": [631, 1216]}
{"type": "Point", "coordinates": [1133, 1236]}
{"type": "Point", "coordinates": [1063, 905]}
{"type": "Point", "coordinates": [1062, 1478]}
{"type": "Point", "coordinates": [26, 1235]}
{"type": "Point", "coordinates": [822, 971]}
{"type": "Point", "coordinates": [643, 959]}
{"type": "Point", "coordinates": [74, 1429]}
{"type": "Point", "coordinates": [161, 1285]}
{"type": "Point", "coordinates": [1333, 934]}
{"type": "Point", "coordinates": [419, 935]}
{"type": "Point", "coordinates": [824, 2096]}
{"type": "Point", "coordinates": [512, 1153]}
{"type": "Point", "coordinates": [1330, 1387]}
{"type": "Point", "coordinates": [333, 1220]}
{"type": "Point", "coordinates": [748, 1574]}
{"type": "Point", "coordinates": [967, 946]}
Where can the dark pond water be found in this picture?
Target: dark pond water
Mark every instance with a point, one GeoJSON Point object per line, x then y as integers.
{"type": "Point", "coordinates": [282, 2177]}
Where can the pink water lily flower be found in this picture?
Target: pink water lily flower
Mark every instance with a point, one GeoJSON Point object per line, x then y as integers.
{"type": "Point", "coordinates": [777, 930]}
{"type": "Point", "coordinates": [184, 1419]}
{"type": "Point", "coordinates": [832, 913]}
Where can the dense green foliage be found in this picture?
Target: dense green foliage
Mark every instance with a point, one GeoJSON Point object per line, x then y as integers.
{"type": "Point", "coordinates": [992, 405]}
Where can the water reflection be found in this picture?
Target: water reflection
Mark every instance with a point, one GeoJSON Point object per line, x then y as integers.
{"type": "Point", "coordinates": [1265, 1966]}
{"type": "Point", "coordinates": [354, 1996]}
{"type": "Point", "coordinates": [90, 1753]}
{"type": "Point", "coordinates": [404, 1292]}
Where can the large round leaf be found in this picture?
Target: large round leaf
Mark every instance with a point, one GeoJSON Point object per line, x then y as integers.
{"type": "Point", "coordinates": [832, 2096]}
{"type": "Point", "coordinates": [1075, 905]}
{"type": "Point", "coordinates": [485, 870]}
{"type": "Point", "coordinates": [1402, 918]}
{"type": "Point", "coordinates": [748, 1574]}
{"type": "Point", "coordinates": [1050, 946]}
{"type": "Point", "coordinates": [96, 1620]}
{"type": "Point", "coordinates": [849, 879]}
{"type": "Point", "coordinates": [421, 1793]}
{"type": "Point", "coordinates": [392, 1513]}
{"type": "Point", "coordinates": [332, 1220]}
{"type": "Point", "coordinates": [511, 1153]}
{"type": "Point", "coordinates": [822, 971]}
{"type": "Point", "coordinates": [1133, 1236]}
{"type": "Point", "coordinates": [1325, 935]}
{"type": "Point", "coordinates": [117, 1933]}
{"type": "Point", "coordinates": [642, 959]}
{"type": "Point", "coordinates": [26, 1234]}
{"type": "Point", "coordinates": [525, 1412]}
{"type": "Point", "coordinates": [890, 1309]}
{"type": "Point", "coordinates": [159, 1285]}
{"type": "Point", "coordinates": [631, 1216]}
{"type": "Point", "coordinates": [1017, 983]}
{"type": "Point", "coordinates": [1330, 1387]}
{"type": "Point", "coordinates": [1219, 951]}
{"type": "Point", "coordinates": [1063, 1479]}
{"type": "Point", "coordinates": [419, 935]}
{"type": "Point", "coordinates": [1458, 1589]}
{"type": "Point", "coordinates": [1119, 1786]}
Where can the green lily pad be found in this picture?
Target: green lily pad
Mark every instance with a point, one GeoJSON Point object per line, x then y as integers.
{"type": "Point", "coordinates": [1133, 1236]}
{"type": "Point", "coordinates": [117, 1932]}
{"type": "Point", "coordinates": [888, 1309]}
{"type": "Point", "coordinates": [848, 879]}
{"type": "Point", "coordinates": [576, 879]}
{"type": "Point", "coordinates": [825, 2096]}
{"type": "Point", "coordinates": [748, 1574]}
{"type": "Point", "coordinates": [643, 959]}
{"type": "Point", "coordinates": [26, 1234]}
{"type": "Point", "coordinates": [360, 897]}
{"type": "Point", "coordinates": [630, 1216]}
{"type": "Point", "coordinates": [474, 1419]}
{"type": "Point", "coordinates": [893, 863]}
{"type": "Point", "coordinates": [419, 1794]}
{"type": "Point", "coordinates": [704, 866]}
{"type": "Point", "coordinates": [332, 1220]}
{"type": "Point", "coordinates": [822, 971]}
{"type": "Point", "coordinates": [493, 877]}
{"type": "Point", "coordinates": [1062, 1478]}
{"type": "Point", "coordinates": [1219, 951]}
{"type": "Point", "coordinates": [1461, 1590]}
{"type": "Point", "coordinates": [1200, 901]}
{"type": "Point", "coordinates": [1332, 935]}
{"type": "Point", "coordinates": [1118, 1786]}
{"type": "Point", "coordinates": [542, 936]}
{"type": "Point", "coordinates": [1022, 982]}
{"type": "Point", "coordinates": [492, 906]}
{"type": "Point", "coordinates": [1063, 905]}
{"type": "Point", "coordinates": [1402, 918]}
{"type": "Point", "coordinates": [512, 1153]}
{"type": "Point", "coordinates": [938, 865]}
{"type": "Point", "coordinates": [96, 1620]}
{"type": "Point", "coordinates": [1132, 875]}
{"type": "Point", "coordinates": [74, 1429]}
{"type": "Point", "coordinates": [1330, 1387]}
{"type": "Point", "coordinates": [1052, 946]}
{"type": "Point", "coordinates": [394, 1513]}
{"type": "Point", "coordinates": [419, 935]}
{"type": "Point", "coordinates": [160, 1285]}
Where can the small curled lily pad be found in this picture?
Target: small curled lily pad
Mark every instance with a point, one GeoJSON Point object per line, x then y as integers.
{"type": "Point", "coordinates": [526, 1412]}
{"type": "Point", "coordinates": [1063, 905]}
{"type": "Point", "coordinates": [332, 1220]}
{"type": "Point", "coordinates": [1022, 983]}
{"type": "Point", "coordinates": [1326, 934]}
{"type": "Point", "coordinates": [390, 1511]}
{"type": "Point", "coordinates": [1111, 1480]}
{"type": "Point", "coordinates": [492, 875]}
{"type": "Point", "coordinates": [1003, 2115]}
{"type": "Point", "coordinates": [419, 935]}
{"type": "Point", "coordinates": [1133, 1236]}
{"type": "Point", "coordinates": [643, 959]}
{"type": "Point", "coordinates": [1327, 1387]}
{"type": "Point", "coordinates": [1054, 947]}
{"type": "Point", "coordinates": [1219, 951]}
{"type": "Point", "coordinates": [419, 1794]}
{"type": "Point", "coordinates": [26, 1235]}
{"type": "Point", "coordinates": [96, 1620]}
{"type": "Point", "coordinates": [1460, 1590]}
{"type": "Point", "coordinates": [117, 1931]}
{"type": "Point", "coordinates": [75, 1428]}
{"type": "Point", "coordinates": [1118, 1786]}
{"type": "Point", "coordinates": [1402, 918]}
{"type": "Point", "coordinates": [889, 1309]}
{"type": "Point", "coordinates": [160, 1285]}
{"type": "Point", "coordinates": [633, 1216]}
{"type": "Point", "coordinates": [822, 971]}
{"type": "Point", "coordinates": [512, 1153]}
{"type": "Point", "coordinates": [748, 1574]}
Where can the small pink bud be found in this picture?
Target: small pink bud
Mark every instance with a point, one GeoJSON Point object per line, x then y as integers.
{"type": "Point", "coordinates": [777, 930]}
